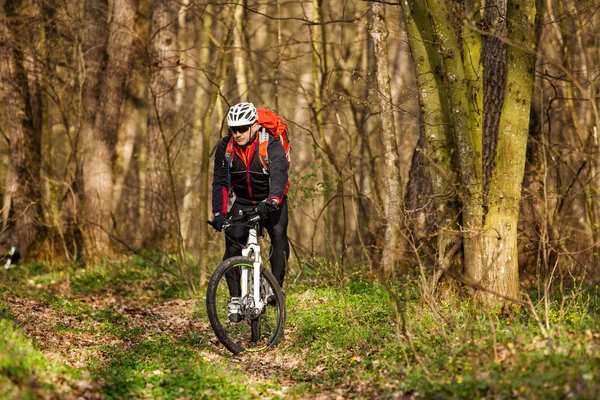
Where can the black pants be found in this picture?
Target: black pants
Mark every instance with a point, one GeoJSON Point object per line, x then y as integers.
{"type": "Point", "coordinates": [236, 237]}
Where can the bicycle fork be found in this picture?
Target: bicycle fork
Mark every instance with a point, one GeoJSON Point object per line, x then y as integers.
{"type": "Point", "coordinates": [252, 250]}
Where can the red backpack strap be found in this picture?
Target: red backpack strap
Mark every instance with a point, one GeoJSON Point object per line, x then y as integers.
{"type": "Point", "coordinates": [263, 143]}
{"type": "Point", "coordinates": [229, 152]}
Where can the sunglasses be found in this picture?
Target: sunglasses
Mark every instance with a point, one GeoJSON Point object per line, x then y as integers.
{"type": "Point", "coordinates": [240, 129]}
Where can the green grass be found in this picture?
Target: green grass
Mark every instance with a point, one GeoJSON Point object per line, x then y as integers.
{"type": "Point", "coordinates": [128, 361]}
{"type": "Point", "coordinates": [344, 335]}
{"type": "Point", "coordinates": [25, 373]}
{"type": "Point", "coordinates": [163, 367]}
{"type": "Point", "coordinates": [351, 331]}
{"type": "Point", "coordinates": [127, 279]}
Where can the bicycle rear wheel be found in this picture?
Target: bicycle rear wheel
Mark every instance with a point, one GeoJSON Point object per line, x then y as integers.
{"type": "Point", "coordinates": [260, 328]}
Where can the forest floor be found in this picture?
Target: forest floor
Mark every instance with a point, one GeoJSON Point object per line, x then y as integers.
{"type": "Point", "coordinates": [127, 330]}
{"type": "Point", "coordinates": [57, 335]}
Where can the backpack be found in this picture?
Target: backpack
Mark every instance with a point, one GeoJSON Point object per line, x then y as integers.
{"type": "Point", "coordinates": [271, 124]}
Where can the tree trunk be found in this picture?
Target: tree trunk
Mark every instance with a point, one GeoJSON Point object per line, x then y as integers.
{"type": "Point", "coordinates": [363, 173]}
{"type": "Point", "coordinates": [128, 189]}
{"type": "Point", "coordinates": [435, 146]}
{"type": "Point", "coordinates": [130, 133]}
{"type": "Point", "coordinates": [317, 77]}
{"type": "Point", "coordinates": [203, 119]}
{"type": "Point", "coordinates": [489, 228]}
{"type": "Point", "coordinates": [160, 202]}
{"type": "Point", "coordinates": [393, 209]}
{"type": "Point", "coordinates": [107, 55]}
{"type": "Point", "coordinates": [119, 51]}
{"type": "Point", "coordinates": [239, 53]}
{"type": "Point", "coordinates": [278, 59]}
{"type": "Point", "coordinates": [465, 117]}
{"type": "Point", "coordinates": [493, 60]}
{"type": "Point", "coordinates": [25, 139]}
{"type": "Point", "coordinates": [187, 35]}
{"type": "Point", "coordinates": [9, 188]}
{"type": "Point", "coordinates": [501, 273]}
{"type": "Point", "coordinates": [97, 161]}
{"type": "Point", "coordinates": [584, 114]}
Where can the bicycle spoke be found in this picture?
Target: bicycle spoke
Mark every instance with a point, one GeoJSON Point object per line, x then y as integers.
{"type": "Point", "coordinates": [252, 333]}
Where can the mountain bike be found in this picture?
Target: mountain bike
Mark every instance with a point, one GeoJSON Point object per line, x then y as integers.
{"type": "Point", "coordinates": [263, 324]}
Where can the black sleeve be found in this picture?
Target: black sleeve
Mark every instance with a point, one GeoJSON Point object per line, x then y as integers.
{"type": "Point", "coordinates": [220, 188]}
{"type": "Point", "coordinates": [278, 170]}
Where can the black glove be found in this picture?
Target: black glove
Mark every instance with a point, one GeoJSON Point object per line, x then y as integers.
{"type": "Point", "coordinates": [217, 222]}
{"type": "Point", "coordinates": [265, 208]}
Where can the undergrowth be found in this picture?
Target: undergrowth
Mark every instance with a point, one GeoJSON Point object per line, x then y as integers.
{"type": "Point", "coordinates": [24, 371]}
{"type": "Point", "coordinates": [345, 336]}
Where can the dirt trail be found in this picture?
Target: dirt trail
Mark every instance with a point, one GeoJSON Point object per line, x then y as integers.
{"type": "Point", "coordinates": [54, 334]}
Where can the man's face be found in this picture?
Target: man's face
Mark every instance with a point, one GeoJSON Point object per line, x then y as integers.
{"type": "Point", "coordinates": [243, 134]}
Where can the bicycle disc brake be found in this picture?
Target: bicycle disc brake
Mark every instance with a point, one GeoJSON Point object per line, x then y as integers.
{"type": "Point", "coordinates": [248, 308]}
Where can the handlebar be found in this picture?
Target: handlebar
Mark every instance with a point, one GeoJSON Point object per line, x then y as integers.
{"type": "Point", "coordinates": [245, 216]}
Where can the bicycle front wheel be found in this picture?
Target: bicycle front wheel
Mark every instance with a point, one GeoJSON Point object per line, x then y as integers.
{"type": "Point", "coordinates": [261, 327]}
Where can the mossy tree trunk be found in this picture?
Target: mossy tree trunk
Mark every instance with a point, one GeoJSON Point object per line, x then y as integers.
{"type": "Point", "coordinates": [501, 274]}
{"type": "Point", "coordinates": [447, 50]}
{"type": "Point", "coordinates": [465, 118]}
{"type": "Point", "coordinates": [433, 156]}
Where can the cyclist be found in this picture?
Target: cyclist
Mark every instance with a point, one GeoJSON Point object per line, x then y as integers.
{"type": "Point", "coordinates": [240, 178]}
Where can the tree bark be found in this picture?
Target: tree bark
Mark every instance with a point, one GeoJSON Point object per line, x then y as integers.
{"type": "Point", "coordinates": [96, 158]}
{"type": "Point", "coordinates": [493, 60]}
{"type": "Point", "coordinates": [9, 189]}
{"type": "Point", "coordinates": [501, 269]}
{"type": "Point", "coordinates": [365, 179]}
{"type": "Point", "coordinates": [128, 188]}
{"type": "Point", "coordinates": [203, 121]}
{"type": "Point", "coordinates": [119, 51]}
{"type": "Point", "coordinates": [25, 139]}
{"type": "Point", "coordinates": [489, 225]}
{"type": "Point", "coordinates": [107, 54]}
{"type": "Point", "coordinates": [318, 57]}
{"type": "Point", "coordinates": [433, 183]}
{"type": "Point", "coordinates": [466, 124]}
{"type": "Point", "coordinates": [160, 203]}
{"type": "Point", "coordinates": [393, 208]}
{"type": "Point", "coordinates": [239, 53]}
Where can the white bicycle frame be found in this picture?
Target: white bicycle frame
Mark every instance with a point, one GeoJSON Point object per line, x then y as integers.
{"type": "Point", "coordinates": [252, 250]}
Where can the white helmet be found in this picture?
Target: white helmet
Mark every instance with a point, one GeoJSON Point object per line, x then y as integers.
{"type": "Point", "coordinates": [242, 114]}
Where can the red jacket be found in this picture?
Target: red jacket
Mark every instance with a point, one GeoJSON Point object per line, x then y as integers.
{"type": "Point", "coordinates": [250, 182]}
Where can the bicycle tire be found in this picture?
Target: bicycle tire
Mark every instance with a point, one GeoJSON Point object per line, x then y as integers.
{"type": "Point", "coordinates": [234, 336]}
